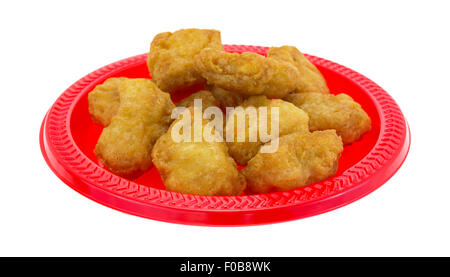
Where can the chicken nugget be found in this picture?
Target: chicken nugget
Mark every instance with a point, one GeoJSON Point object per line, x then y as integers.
{"type": "Point", "coordinates": [124, 147]}
{"type": "Point", "coordinates": [247, 73]}
{"type": "Point", "coordinates": [226, 98]}
{"type": "Point", "coordinates": [339, 112]}
{"type": "Point", "coordinates": [206, 96]}
{"type": "Point", "coordinates": [171, 57]}
{"type": "Point", "coordinates": [311, 80]}
{"type": "Point", "coordinates": [201, 167]}
{"type": "Point", "coordinates": [290, 119]}
{"type": "Point", "coordinates": [301, 159]}
{"type": "Point", "coordinates": [104, 101]}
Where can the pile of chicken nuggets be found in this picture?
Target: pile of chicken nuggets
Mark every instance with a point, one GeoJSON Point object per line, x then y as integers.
{"type": "Point", "coordinates": [136, 116]}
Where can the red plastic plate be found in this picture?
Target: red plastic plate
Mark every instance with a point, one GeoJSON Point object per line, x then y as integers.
{"type": "Point", "coordinates": [68, 137]}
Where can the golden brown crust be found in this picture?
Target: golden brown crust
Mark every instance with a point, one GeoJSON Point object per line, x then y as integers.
{"type": "Point", "coordinates": [339, 112]}
{"type": "Point", "coordinates": [247, 73]}
{"type": "Point", "coordinates": [226, 98]}
{"type": "Point", "coordinates": [104, 101]}
{"type": "Point", "coordinates": [196, 167]}
{"type": "Point", "coordinates": [124, 147]}
{"type": "Point", "coordinates": [206, 96]}
{"type": "Point", "coordinates": [311, 80]}
{"type": "Point", "coordinates": [291, 119]}
{"type": "Point", "coordinates": [170, 60]}
{"type": "Point", "coordinates": [302, 159]}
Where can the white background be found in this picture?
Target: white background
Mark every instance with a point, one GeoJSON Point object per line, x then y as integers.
{"type": "Point", "coordinates": [401, 45]}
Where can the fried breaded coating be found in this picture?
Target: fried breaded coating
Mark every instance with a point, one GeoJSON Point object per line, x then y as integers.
{"type": "Point", "coordinates": [124, 147]}
{"type": "Point", "coordinates": [104, 101]}
{"type": "Point", "coordinates": [207, 98]}
{"type": "Point", "coordinates": [311, 80]}
{"type": "Point", "coordinates": [226, 98]}
{"type": "Point", "coordinates": [202, 167]}
{"type": "Point", "coordinates": [339, 112]}
{"type": "Point", "coordinates": [291, 119]}
{"type": "Point", "coordinates": [302, 159]}
{"type": "Point", "coordinates": [171, 56]}
{"type": "Point", "coordinates": [247, 73]}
